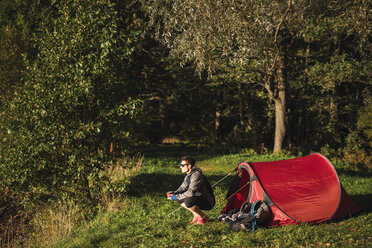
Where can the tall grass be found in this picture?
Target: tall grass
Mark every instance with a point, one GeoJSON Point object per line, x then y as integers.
{"type": "Point", "coordinates": [10, 232]}
{"type": "Point", "coordinates": [54, 222]}
{"type": "Point", "coordinates": [58, 219]}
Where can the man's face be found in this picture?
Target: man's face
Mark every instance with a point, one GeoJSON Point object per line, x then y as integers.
{"type": "Point", "coordinates": [185, 166]}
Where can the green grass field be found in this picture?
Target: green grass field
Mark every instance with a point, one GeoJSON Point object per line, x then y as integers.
{"type": "Point", "coordinates": [147, 219]}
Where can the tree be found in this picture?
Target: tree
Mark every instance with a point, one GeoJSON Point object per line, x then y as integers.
{"type": "Point", "coordinates": [264, 38]}
{"type": "Point", "coordinates": [76, 100]}
{"type": "Point", "coordinates": [248, 34]}
{"type": "Point", "coordinates": [332, 53]}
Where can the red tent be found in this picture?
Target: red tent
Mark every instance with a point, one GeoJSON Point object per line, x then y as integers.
{"type": "Point", "coordinates": [299, 190]}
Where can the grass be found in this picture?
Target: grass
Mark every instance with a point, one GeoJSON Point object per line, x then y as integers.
{"type": "Point", "coordinates": [147, 218]}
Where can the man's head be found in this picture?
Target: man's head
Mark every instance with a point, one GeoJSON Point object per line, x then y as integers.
{"type": "Point", "coordinates": [186, 164]}
{"type": "Point", "coordinates": [188, 160]}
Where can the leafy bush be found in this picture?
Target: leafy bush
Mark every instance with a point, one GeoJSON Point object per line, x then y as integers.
{"type": "Point", "coordinates": [75, 102]}
{"type": "Point", "coordinates": [359, 142]}
{"type": "Point", "coordinates": [364, 123]}
{"type": "Point", "coordinates": [118, 175]}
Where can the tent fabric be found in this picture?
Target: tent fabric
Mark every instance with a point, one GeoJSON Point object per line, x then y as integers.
{"type": "Point", "coordinates": [298, 190]}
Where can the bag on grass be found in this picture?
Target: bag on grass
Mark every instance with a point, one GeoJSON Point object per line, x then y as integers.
{"type": "Point", "coordinates": [250, 216]}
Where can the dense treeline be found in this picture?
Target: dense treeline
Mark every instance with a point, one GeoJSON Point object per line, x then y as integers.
{"type": "Point", "coordinates": [83, 81]}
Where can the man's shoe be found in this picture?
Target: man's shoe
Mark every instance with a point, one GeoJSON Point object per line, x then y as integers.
{"type": "Point", "coordinates": [201, 221]}
{"type": "Point", "coordinates": [195, 219]}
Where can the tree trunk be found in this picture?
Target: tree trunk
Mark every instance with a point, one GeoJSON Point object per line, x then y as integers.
{"type": "Point", "coordinates": [279, 123]}
{"type": "Point", "coordinates": [303, 118]}
{"type": "Point", "coordinates": [217, 125]}
{"type": "Point", "coordinates": [87, 188]}
{"type": "Point", "coordinates": [280, 108]}
{"type": "Point", "coordinates": [218, 118]}
{"type": "Point", "coordinates": [333, 106]}
{"type": "Point", "coordinates": [241, 111]}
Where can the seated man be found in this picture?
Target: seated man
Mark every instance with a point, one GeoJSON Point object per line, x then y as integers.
{"type": "Point", "coordinates": [195, 193]}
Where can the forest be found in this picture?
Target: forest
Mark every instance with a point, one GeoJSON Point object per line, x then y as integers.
{"type": "Point", "coordinates": [85, 83]}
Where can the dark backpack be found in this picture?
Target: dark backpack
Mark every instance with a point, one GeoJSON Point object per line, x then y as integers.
{"type": "Point", "coordinates": [250, 216]}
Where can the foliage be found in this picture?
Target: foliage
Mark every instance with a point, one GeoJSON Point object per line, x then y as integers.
{"type": "Point", "coordinates": [364, 122]}
{"type": "Point", "coordinates": [214, 35]}
{"type": "Point", "coordinates": [19, 21]}
{"type": "Point", "coordinates": [119, 175]}
{"type": "Point", "coordinates": [275, 44]}
{"type": "Point", "coordinates": [75, 102]}
{"type": "Point", "coordinates": [12, 46]}
{"type": "Point", "coordinates": [204, 32]}
{"type": "Point", "coordinates": [359, 143]}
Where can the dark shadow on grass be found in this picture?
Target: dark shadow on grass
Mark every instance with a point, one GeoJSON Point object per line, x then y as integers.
{"type": "Point", "coordinates": [351, 173]}
{"type": "Point", "coordinates": [178, 150]}
{"type": "Point", "coordinates": [159, 183]}
{"type": "Point", "coordinates": [364, 202]}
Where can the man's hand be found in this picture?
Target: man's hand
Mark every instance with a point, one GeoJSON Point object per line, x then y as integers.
{"type": "Point", "coordinates": [171, 196]}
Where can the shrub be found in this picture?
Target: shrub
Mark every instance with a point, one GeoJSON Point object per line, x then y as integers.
{"type": "Point", "coordinates": [358, 143]}
{"type": "Point", "coordinates": [75, 102]}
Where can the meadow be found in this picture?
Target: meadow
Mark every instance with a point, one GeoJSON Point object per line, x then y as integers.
{"type": "Point", "coordinates": [145, 218]}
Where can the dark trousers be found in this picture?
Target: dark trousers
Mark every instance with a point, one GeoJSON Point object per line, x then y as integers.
{"type": "Point", "coordinates": [200, 201]}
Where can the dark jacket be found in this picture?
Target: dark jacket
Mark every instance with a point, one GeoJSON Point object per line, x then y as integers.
{"type": "Point", "coordinates": [194, 184]}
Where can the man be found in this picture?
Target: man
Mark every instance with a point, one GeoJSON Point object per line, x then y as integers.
{"type": "Point", "coordinates": [195, 193]}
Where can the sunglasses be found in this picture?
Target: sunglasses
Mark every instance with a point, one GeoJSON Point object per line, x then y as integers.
{"type": "Point", "coordinates": [182, 165]}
